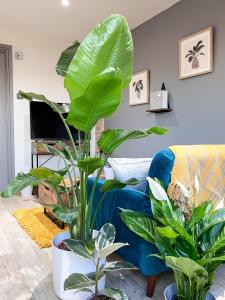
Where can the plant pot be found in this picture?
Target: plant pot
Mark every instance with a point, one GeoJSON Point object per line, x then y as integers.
{"type": "Point", "coordinates": [195, 63]}
{"type": "Point", "coordinates": [170, 293]}
{"type": "Point", "coordinates": [66, 263]}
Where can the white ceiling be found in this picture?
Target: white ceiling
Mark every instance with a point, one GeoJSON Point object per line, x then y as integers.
{"type": "Point", "coordinates": [76, 20]}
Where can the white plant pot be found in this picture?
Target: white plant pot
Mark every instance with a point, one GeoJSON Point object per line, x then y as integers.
{"type": "Point", "coordinates": [66, 263]}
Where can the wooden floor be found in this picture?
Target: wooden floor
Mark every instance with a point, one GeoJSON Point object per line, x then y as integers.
{"type": "Point", "coordinates": [25, 270]}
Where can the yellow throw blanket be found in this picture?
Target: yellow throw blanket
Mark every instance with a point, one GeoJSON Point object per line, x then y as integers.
{"type": "Point", "coordinates": [208, 162]}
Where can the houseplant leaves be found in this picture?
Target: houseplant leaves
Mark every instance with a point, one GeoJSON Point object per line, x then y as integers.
{"type": "Point", "coordinates": [99, 100]}
{"type": "Point", "coordinates": [108, 45]}
{"type": "Point", "coordinates": [111, 139]}
{"type": "Point", "coordinates": [66, 58]}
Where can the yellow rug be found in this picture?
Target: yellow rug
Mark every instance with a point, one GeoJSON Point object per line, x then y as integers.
{"type": "Point", "coordinates": [37, 225]}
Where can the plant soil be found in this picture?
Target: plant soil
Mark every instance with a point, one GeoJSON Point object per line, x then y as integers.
{"type": "Point", "coordinates": [101, 297]}
{"type": "Point", "coordinates": [62, 246]}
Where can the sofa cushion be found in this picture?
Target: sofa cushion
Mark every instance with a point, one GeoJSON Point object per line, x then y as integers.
{"type": "Point", "coordinates": [126, 168]}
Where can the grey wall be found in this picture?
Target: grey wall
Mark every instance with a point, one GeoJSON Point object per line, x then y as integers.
{"type": "Point", "coordinates": [198, 103]}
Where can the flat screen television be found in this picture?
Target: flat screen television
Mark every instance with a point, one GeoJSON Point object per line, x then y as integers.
{"type": "Point", "coordinates": [46, 124]}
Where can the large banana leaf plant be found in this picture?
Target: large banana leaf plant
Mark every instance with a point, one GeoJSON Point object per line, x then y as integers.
{"type": "Point", "coordinates": [193, 246]}
{"type": "Point", "coordinates": [104, 245]}
{"type": "Point", "coordinates": [95, 74]}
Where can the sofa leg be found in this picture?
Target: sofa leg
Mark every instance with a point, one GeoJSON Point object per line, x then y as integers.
{"type": "Point", "coordinates": [151, 283]}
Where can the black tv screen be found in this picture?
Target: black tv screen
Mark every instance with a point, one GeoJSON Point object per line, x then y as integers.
{"type": "Point", "coordinates": [46, 124]}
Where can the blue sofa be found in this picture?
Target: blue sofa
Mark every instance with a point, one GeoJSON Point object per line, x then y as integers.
{"type": "Point", "coordinates": [138, 250]}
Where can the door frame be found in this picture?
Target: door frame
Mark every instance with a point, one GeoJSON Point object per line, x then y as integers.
{"type": "Point", "coordinates": [7, 50]}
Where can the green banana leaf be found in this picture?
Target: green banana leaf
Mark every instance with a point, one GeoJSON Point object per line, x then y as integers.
{"type": "Point", "coordinates": [114, 184]}
{"type": "Point", "coordinates": [90, 164]}
{"type": "Point", "coordinates": [33, 178]}
{"type": "Point", "coordinates": [108, 45]}
{"type": "Point", "coordinates": [111, 139]}
{"type": "Point", "coordinates": [33, 96]}
{"type": "Point", "coordinates": [100, 99]}
{"type": "Point", "coordinates": [66, 58]}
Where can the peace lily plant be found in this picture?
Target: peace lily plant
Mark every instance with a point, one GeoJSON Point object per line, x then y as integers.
{"type": "Point", "coordinates": [95, 74]}
{"type": "Point", "coordinates": [192, 245]}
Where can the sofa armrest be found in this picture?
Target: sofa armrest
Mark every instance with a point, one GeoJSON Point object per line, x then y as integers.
{"type": "Point", "coordinates": [123, 198]}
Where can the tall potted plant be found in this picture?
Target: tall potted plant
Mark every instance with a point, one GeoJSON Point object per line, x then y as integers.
{"type": "Point", "coordinates": [96, 73]}
{"type": "Point", "coordinates": [191, 242]}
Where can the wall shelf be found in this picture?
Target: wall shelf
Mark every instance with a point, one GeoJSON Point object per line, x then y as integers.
{"type": "Point", "coordinates": [159, 110]}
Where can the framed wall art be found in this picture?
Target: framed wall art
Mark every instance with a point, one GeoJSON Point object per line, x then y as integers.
{"type": "Point", "coordinates": [139, 88]}
{"type": "Point", "coordinates": [196, 54]}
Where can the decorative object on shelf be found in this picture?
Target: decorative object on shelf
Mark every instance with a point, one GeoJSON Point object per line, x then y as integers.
{"type": "Point", "coordinates": [196, 54]}
{"type": "Point", "coordinates": [139, 88]}
{"type": "Point", "coordinates": [159, 100]}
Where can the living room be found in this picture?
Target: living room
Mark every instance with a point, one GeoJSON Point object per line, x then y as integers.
{"type": "Point", "coordinates": [112, 151]}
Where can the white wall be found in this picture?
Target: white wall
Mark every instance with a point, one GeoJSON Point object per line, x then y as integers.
{"type": "Point", "coordinates": [36, 72]}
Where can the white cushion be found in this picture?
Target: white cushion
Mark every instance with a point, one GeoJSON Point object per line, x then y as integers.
{"type": "Point", "coordinates": [126, 168]}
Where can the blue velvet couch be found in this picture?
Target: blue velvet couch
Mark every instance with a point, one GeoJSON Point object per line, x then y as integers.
{"type": "Point", "coordinates": [138, 250]}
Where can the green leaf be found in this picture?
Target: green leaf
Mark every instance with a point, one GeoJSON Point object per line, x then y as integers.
{"type": "Point", "coordinates": [33, 96]}
{"type": "Point", "coordinates": [164, 245]}
{"type": "Point", "coordinates": [210, 260]}
{"type": "Point", "coordinates": [66, 215]}
{"type": "Point", "coordinates": [167, 232]}
{"type": "Point", "coordinates": [50, 176]}
{"type": "Point", "coordinates": [78, 281]}
{"type": "Point", "coordinates": [199, 212]}
{"type": "Point", "coordinates": [61, 152]}
{"type": "Point", "coordinates": [78, 248]}
{"type": "Point", "coordinates": [111, 139]}
{"type": "Point", "coordinates": [90, 245]}
{"type": "Point", "coordinates": [90, 164]}
{"type": "Point", "coordinates": [118, 266]}
{"type": "Point", "coordinates": [114, 294]}
{"type": "Point", "coordinates": [108, 45]}
{"type": "Point", "coordinates": [157, 211]}
{"type": "Point", "coordinates": [66, 58]}
{"type": "Point", "coordinates": [156, 189]}
{"type": "Point", "coordinates": [100, 99]}
{"type": "Point", "coordinates": [174, 222]}
{"type": "Point", "coordinates": [35, 177]}
{"type": "Point", "coordinates": [104, 252]}
{"type": "Point", "coordinates": [105, 237]}
{"type": "Point", "coordinates": [114, 184]}
{"type": "Point", "coordinates": [19, 183]}
{"type": "Point", "coordinates": [186, 266]}
{"type": "Point", "coordinates": [140, 224]}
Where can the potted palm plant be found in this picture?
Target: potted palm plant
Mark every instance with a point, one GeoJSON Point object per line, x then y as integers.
{"type": "Point", "coordinates": [191, 242]}
{"type": "Point", "coordinates": [95, 74]}
{"type": "Point", "coordinates": [193, 55]}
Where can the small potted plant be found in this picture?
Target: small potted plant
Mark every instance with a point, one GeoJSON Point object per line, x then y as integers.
{"type": "Point", "coordinates": [190, 241]}
{"type": "Point", "coordinates": [90, 285]}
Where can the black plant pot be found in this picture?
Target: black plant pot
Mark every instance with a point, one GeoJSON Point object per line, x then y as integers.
{"type": "Point", "coordinates": [171, 293]}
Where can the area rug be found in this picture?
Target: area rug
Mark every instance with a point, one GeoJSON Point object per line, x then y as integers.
{"type": "Point", "coordinates": [37, 225]}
